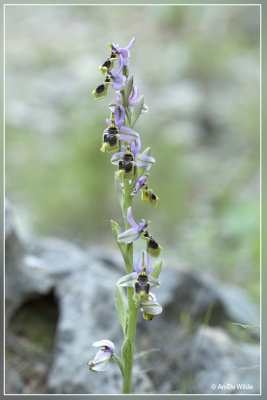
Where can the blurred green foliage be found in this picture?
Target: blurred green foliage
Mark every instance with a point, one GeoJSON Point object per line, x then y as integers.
{"type": "Point", "coordinates": [198, 68]}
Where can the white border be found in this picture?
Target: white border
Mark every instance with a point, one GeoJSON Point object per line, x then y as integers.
{"type": "Point", "coordinates": [131, 4]}
{"type": "Point", "coordinates": [4, 91]}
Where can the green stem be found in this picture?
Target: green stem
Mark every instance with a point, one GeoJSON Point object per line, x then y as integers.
{"type": "Point", "coordinates": [128, 361]}
{"type": "Point", "coordinates": [128, 346]}
{"type": "Point", "coordinates": [133, 310]}
{"type": "Point", "coordinates": [118, 361]}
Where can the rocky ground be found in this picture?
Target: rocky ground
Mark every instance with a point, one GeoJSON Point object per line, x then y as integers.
{"type": "Point", "coordinates": [58, 302]}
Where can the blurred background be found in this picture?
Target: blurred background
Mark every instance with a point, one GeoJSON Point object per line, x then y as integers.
{"type": "Point", "coordinates": [198, 68]}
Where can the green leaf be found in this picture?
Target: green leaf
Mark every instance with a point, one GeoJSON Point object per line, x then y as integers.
{"type": "Point", "coordinates": [156, 269]}
{"type": "Point", "coordinates": [127, 91]}
{"type": "Point", "coordinates": [121, 307]}
{"type": "Point", "coordinates": [137, 110]}
{"type": "Point", "coordinates": [116, 229]}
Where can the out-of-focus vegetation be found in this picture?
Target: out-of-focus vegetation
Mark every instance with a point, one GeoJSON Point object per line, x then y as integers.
{"type": "Point", "coordinates": [198, 67]}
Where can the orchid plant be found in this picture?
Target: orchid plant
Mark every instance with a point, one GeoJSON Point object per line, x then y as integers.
{"type": "Point", "coordinates": [131, 177]}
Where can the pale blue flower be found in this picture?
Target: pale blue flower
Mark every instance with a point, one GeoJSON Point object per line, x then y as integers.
{"type": "Point", "coordinates": [141, 160]}
{"type": "Point", "coordinates": [124, 52]}
{"type": "Point", "coordinates": [117, 79]}
{"type": "Point", "coordinates": [135, 231]}
{"type": "Point", "coordinates": [140, 183]}
{"type": "Point", "coordinates": [142, 269]}
{"type": "Point", "coordinates": [102, 357]}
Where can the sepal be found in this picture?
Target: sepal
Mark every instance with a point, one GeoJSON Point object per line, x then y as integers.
{"type": "Point", "coordinates": [157, 266]}
{"type": "Point", "coordinates": [137, 110]}
{"type": "Point", "coordinates": [127, 91]}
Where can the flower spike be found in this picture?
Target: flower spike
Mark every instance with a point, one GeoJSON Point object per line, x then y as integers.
{"type": "Point", "coordinates": [131, 177]}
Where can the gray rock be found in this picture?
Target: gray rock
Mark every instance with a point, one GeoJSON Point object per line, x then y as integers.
{"type": "Point", "coordinates": [188, 291]}
{"type": "Point", "coordinates": [237, 305]}
{"type": "Point", "coordinates": [20, 282]}
{"type": "Point", "coordinates": [84, 320]}
{"type": "Point", "coordinates": [222, 365]}
{"type": "Point", "coordinates": [188, 363]}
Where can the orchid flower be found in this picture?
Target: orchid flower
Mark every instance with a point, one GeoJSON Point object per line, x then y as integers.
{"type": "Point", "coordinates": [122, 51]}
{"type": "Point", "coordinates": [140, 280]}
{"type": "Point", "coordinates": [102, 357]}
{"type": "Point", "coordinates": [140, 183]}
{"type": "Point", "coordinates": [150, 307]}
{"type": "Point", "coordinates": [147, 194]}
{"type": "Point", "coordinates": [116, 78]}
{"type": "Point", "coordinates": [135, 231]}
{"type": "Point", "coordinates": [141, 160]}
